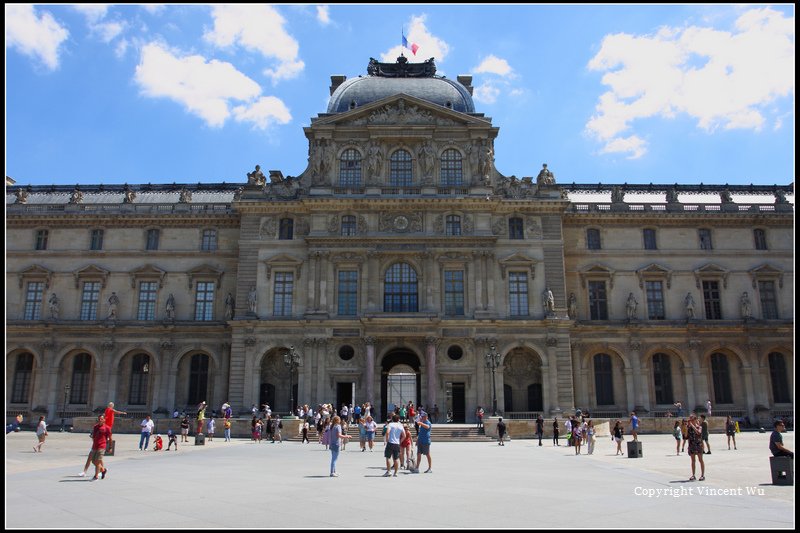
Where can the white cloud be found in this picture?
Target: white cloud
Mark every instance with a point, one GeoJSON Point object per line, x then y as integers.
{"type": "Point", "coordinates": [203, 87]}
{"type": "Point", "coordinates": [108, 30]}
{"type": "Point", "coordinates": [35, 36]}
{"type": "Point", "coordinates": [486, 93]}
{"type": "Point", "coordinates": [323, 15]}
{"type": "Point", "coordinates": [263, 112]}
{"type": "Point", "coordinates": [154, 9]}
{"type": "Point", "coordinates": [257, 28]}
{"type": "Point", "coordinates": [93, 12]}
{"type": "Point", "coordinates": [429, 45]}
{"type": "Point", "coordinates": [494, 65]}
{"type": "Point", "coordinates": [720, 78]}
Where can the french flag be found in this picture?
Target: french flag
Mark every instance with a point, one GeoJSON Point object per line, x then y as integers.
{"type": "Point", "coordinates": [414, 46]}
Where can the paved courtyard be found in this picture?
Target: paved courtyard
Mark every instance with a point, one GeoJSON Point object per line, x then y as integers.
{"type": "Point", "coordinates": [473, 485]}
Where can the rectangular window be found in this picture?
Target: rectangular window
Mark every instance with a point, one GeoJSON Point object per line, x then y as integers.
{"type": "Point", "coordinates": [204, 303]}
{"type": "Point", "coordinates": [348, 292]}
{"type": "Point", "coordinates": [515, 228]}
{"type": "Point", "coordinates": [454, 292]}
{"type": "Point", "coordinates": [518, 293]}
{"type": "Point", "coordinates": [147, 300]}
{"type": "Point", "coordinates": [97, 240]}
{"type": "Point", "coordinates": [760, 237]}
{"type": "Point", "coordinates": [33, 300]}
{"type": "Point", "coordinates": [41, 239]}
{"type": "Point", "coordinates": [89, 298]}
{"type": "Point", "coordinates": [209, 240]}
{"type": "Point", "coordinates": [286, 229]}
{"type": "Point", "coordinates": [593, 239]}
{"type": "Point", "coordinates": [769, 306]}
{"type": "Point", "coordinates": [711, 299]}
{"type": "Point", "coordinates": [349, 227]}
{"type": "Point", "coordinates": [452, 225]}
{"type": "Point", "coordinates": [649, 239]}
{"type": "Point", "coordinates": [152, 239]}
{"type": "Point", "coordinates": [705, 239]}
{"type": "Point", "coordinates": [598, 300]}
{"type": "Point", "coordinates": [284, 287]}
{"type": "Point", "coordinates": [655, 300]}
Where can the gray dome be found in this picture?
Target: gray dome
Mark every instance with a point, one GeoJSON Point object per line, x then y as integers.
{"type": "Point", "coordinates": [358, 92]}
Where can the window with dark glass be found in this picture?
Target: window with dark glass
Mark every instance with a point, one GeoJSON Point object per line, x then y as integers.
{"type": "Point", "coordinates": [705, 239]}
{"type": "Point", "coordinates": [23, 370]}
{"type": "Point", "coordinates": [33, 300]}
{"type": "Point", "coordinates": [96, 240]}
{"type": "Point", "coordinates": [284, 290]}
{"type": "Point", "coordinates": [41, 239]}
{"type": "Point", "coordinates": [593, 239]}
{"type": "Point", "coordinates": [518, 293]}
{"type": "Point", "coordinates": [649, 236]}
{"type": "Point", "coordinates": [711, 300]}
{"type": "Point", "coordinates": [778, 378]}
{"type": "Point", "coordinates": [147, 300]}
{"type": "Point", "coordinates": [760, 237]}
{"type": "Point", "coordinates": [655, 300]}
{"type": "Point", "coordinates": [152, 239]}
{"type": "Point", "coordinates": [515, 228]}
{"type": "Point", "coordinates": [603, 380]}
{"type": "Point", "coordinates": [346, 352]}
{"type": "Point", "coordinates": [451, 168]}
{"type": "Point", "coordinates": [348, 292]}
{"type": "Point", "coordinates": [400, 289]}
{"type": "Point", "coordinates": [400, 164]}
{"type": "Point", "coordinates": [721, 378]}
{"type": "Point", "coordinates": [89, 298]}
{"type": "Point", "coordinates": [286, 229]}
{"type": "Point", "coordinates": [454, 292]}
{"type": "Point", "coordinates": [598, 300]}
{"type": "Point", "coordinates": [662, 378]}
{"type": "Point", "coordinates": [769, 305]}
{"type": "Point", "coordinates": [81, 372]}
{"type": "Point", "coordinates": [452, 225]}
{"type": "Point", "coordinates": [209, 243]}
{"type": "Point", "coordinates": [349, 226]}
{"type": "Point", "coordinates": [140, 369]}
{"type": "Point", "coordinates": [204, 301]}
{"type": "Point", "coordinates": [198, 379]}
{"type": "Point", "coordinates": [350, 169]}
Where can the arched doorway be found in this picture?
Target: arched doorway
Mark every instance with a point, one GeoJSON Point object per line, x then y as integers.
{"type": "Point", "coordinates": [522, 381]}
{"type": "Point", "coordinates": [400, 379]}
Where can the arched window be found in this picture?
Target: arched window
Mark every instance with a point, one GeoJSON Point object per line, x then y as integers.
{"type": "Point", "coordinates": [603, 380]}
{"type": "Point", "coordinates": [350, 168]}
{"type": "Point", "coordinates": [662, 378]}
{"type": "Point", "coordinates": [452, 175]}
{"type": "Point", "coordinates": [400, 174]}
{"type": "Point", "coordinates": [140, 370]}
{"type": "Point", "coordinates": [286, 230]}
{"type": "Point", "coordinates": [452, 225]}
{"type": "Point", "coordinates": [721, 378]}
{"type": "Point", "coordinates": [81, 373]}
{"type": "Point", "coordinates": [198, 379]}
{"type": "Point", "coordinates": [400, 289]}
{"type": "Point", "coordinates": [777, 374]}
{"type": "Point", "coordinates": [22, 378]}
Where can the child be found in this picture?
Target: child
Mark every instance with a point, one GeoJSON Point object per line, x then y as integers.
{"type": "Point", "coordinates": [405, 449]}
{"type": "Point", "coordinates": [210, 426]}
{"type": "Point", "coordinates": [227, 427]}
{"type": "Point", "coordinates": [159, 443]}
{"type": "Point", "coordinates": [173, 438]}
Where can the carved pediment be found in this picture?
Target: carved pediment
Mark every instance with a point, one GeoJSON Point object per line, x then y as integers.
{"type": "Point", "coordinates": [36, 273]}
{"type": "Point", "coordinates": [517, 260]}
{"type": "Point", "coordinates": [654, 270]}
{"type": "Point", "coordinates": [91, 272]}
{"type": "Point", "coordinates": [766, 272]}
{"type": "Point", "coordinates": [711, 271]}
{"type": "Point", "coordinates": [283, 261]}
{"type": "Point", "coordinates": [597, 271]}
{"type": "Point", "coordinates": [204, 271]}
{"type": "Point", "coordinates": [148, 272]}
{"type": "Point", "coordinates": [400, 110]}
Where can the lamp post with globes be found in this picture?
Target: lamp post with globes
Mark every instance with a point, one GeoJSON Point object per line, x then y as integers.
{"type": "Point", "coordinates": [292, 360]}
{"type": "Point", "coordinates": [492, 362]}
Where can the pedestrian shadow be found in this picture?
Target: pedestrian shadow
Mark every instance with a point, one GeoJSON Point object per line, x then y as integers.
{"type": "Point", "coordinates": [79, 480]}
{"type": "Point", "coordinates": [316, 477]}
{"type": "Point", "coordinates": [684, 481]}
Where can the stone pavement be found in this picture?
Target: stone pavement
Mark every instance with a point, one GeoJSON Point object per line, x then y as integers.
{"type": "Point", "coordinates": [473, 485]}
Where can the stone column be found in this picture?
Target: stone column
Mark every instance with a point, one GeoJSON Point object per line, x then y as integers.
{"type": "Point", "coordinates": [104, 373]}
{"type": "Point", "coordinates": [47, 377]}
{"type": "Point", "coordinates": [317, 280]}
{"type": "Point", "coordinates": [369, 373]}
{"type": "Point", "coordinates": [639, 384]}
{"type": "Point", "coordinates": [629, 390]}
{"type": "Point", "coordinates": [576, 384]}
{"type": "Point", "coordinates": [552, 357]}
{"type": "Point", "coordinates": [431, 281]}
{"type": "Point", "coordinates": [430, 354]}
{"type": "Point", "coordinates": [698, 377]}
{"type": "Point", "coordinates": [489, 277]}
{"type": "Point", "coordinates": [325, 268]}
{"type": "Point", "coordinates": [749, 378]}
{"type": "Point", "coordinates": [479, 269]}
{"type": "Point", "coordinates": [374, 282]}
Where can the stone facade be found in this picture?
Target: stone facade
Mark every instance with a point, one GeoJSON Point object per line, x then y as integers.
{"type": "Point", "coordinates": [400, 250]}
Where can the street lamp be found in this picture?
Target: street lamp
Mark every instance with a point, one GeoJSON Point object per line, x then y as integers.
{"type": "Point", "coordinates": [292, 360]}
{"type": "Point", "coordinates": [493, 361]}
{"type": "Point", "coordinates": [64, 411]}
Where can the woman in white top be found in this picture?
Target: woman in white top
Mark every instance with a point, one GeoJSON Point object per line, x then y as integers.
{"type": "Point", "coordinates": [41, 434]}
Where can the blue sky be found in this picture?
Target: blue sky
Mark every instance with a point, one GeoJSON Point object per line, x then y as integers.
{"type": "Point", "coordinates": [161, 94]}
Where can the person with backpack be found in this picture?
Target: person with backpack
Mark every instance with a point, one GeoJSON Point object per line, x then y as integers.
{"type": "Point", "coordinates": [501, 432]}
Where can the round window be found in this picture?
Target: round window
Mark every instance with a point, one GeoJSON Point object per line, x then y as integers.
{"type": "Point", "coordinates": [346, 353]}
{"type": "Point", "coordinates": [455, 352]}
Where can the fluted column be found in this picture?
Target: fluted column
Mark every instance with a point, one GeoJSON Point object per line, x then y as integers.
{"type": "Point", "coordinates": [430, 346]}
{"type": "Point", "coordinates": [369, 375]}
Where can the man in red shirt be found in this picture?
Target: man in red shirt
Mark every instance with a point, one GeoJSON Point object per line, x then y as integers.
{"type": "Point", "coordinates": [109, 414]}
{"type": "Point", "coordinates": [100, 435]}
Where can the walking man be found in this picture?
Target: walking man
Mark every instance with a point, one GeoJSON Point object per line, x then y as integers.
{"type": "Point", "coordinates": [539, 428]}
{"type": "Point", "coordinates": [424, 442]}
{"type": "Point", "coordinates": [100, 435]}
{"type": "Point", "coordinates": [394, 432]}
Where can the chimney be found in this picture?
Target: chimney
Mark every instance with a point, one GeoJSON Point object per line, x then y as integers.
{"type": "Point", "coordinates": [337, 80]}
{"type": "Point", "coordinates": [464, 80]}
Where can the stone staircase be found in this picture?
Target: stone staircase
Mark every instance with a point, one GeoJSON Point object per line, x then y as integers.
{"type": "Point", "coordinates": [439, 433]}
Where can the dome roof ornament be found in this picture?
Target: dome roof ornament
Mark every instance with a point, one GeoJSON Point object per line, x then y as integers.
{"type": "Point", "coordinates": [402, 68]}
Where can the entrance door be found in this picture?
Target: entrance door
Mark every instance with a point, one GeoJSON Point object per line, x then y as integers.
{"type": "Point", "coordinates": [400, 379]}
{"type": "Point", "coordinates": [535, 397]}
{"type": "Point", "coordinates": [267, 395]}
{"type": "Point", "coordinates": [344, 394]}
{"type": "Point", "coordinates": [459, 403]}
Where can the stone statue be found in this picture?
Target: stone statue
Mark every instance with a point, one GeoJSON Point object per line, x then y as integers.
{"type": "Point", "coordinates": [256, 177]}
{"type": "Point", "coordinates": [672, 196]}
{"type": "Point", "coordinates": [545, 177]}
{"type": "Point", "coordinates": [229, 305]}
{"type": "Point", "coordinates": [689, 301]}
{"type": "Point", "coordinates": [54, 306]}
{"type": "Point", "coordinates": [21, 196]}
{"type": "Point", "coordinates": [113, 302]}
{"type": "Point", "coordinates": [617, 196]}
{"type": "Point", "coordinates": [319, 160]}
{"type": "Point", "coordinates": [76, 197]}
{"type": "Point", "coordinates": [427, 158]}
{"type": "Point", "coordinates": [747, 308]}
{"type": "Point", "coordinates": [252, 299]}
{"type": "Point", "coordinates": [129, 195]}
{"type": "Point", "coordinates": [572, 306]}
{"type": "Point", "coordinates": [631, 306]}
{"type": "Point", "coordinates": [171, 307]}
{"type": "Point", "coordinates": [486, 161]}
{"type": "Point", "coordinates": [473, 152]}
{"type": "Point", "coordinates": [374, 160]}
{"type": "Point", "coordinates": [725, 197]}
{"type": "Point", "coordinates": [548, 301]}
{"type": "Point", "coordinates": [186, 196]}
{"type": "Point", "coordinates": [780, 198]}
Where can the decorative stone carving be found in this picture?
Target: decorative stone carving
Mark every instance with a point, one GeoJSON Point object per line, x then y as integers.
{"type": "Point", "coordinates": [167, 346]}
{"type": "Point", "coordinates": [268, 228]}
{"type": "Point", "coordinates": [363, 228]}
{"type": "Point", "coordinates": [256, 178]}
{"type": "Point", "coordinates": [572, 306]}
{"type": "Point", "coordinates": [170, 310]}
{"type": "Point", "coordinates": [400, 223]}
{"type": "Point", "coordinates": [499, 226]}
{"type": "Point", "coordinates": [21, 196]}
{"type": "Point", "coordinates": [438, 224]}
{"type": "Point", "coordinates": [252, 300]}
{"type": "Point", "coordinates": [617, 195]}
{"type": "Point", "coordinates": [552, 341]}
{"type": "Point", "coordinates": [534, 227]}
{"type": "Point", "coordinates": [130, 196]}
{"type": "Point", "coordinates": [319, 155]}
{"type": "Point", "coordinates": [185, 196]}
{"type": "Point", "coordinates": [250, 341]}
{"type": "Point", "coordinates": [427, 160]}
{"type": "Point", "coordinates": [113, 302]}
{"type": "Point", "coordinates": [545, 177]}
{"type": "Point", "coordinates": [230, 305]}
{"type": "Point", "coordinates": [302, 227]}
{"type": "Point", "coordinates": [374, 163]}
{"type": "Point", "coordinates": [333, 225]}
{"type": "Point", "coordinates": [468, 226]}
{"type": "Point", "coordinates": [76, 197]}
{"type": "Point", "coordinates": [54, 306]}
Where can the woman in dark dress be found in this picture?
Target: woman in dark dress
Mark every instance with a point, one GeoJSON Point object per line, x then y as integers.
{"type": "Point", "coordinates": [696, 446]}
